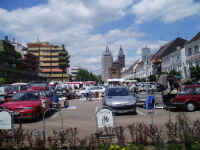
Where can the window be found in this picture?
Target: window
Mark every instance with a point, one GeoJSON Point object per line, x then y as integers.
{"type": "Point", "coordinates": [27, 96]}
{"type": "Point", "coordinates": [118, 92]}
{"type": "Point", "coordinates": [197, 90]}
{"type": "Point", "coordinates": [196, 49]}
{"type": "Point", "coordinates": [189, 51]}
{"type": "Point", "coordinates": [186, 91]}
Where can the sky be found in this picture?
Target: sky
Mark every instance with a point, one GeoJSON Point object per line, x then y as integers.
{"type": "Point", "coordinates": [85, 27]}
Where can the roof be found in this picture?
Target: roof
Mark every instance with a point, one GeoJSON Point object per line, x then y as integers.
{"type": "Point", "coordinates": [172, 47]}
{"type": "Point", "coordinates": [158, 54]}
{"type": "Point", "coordinates": [107, 52]}
{"type": "Point", "coordinates": [196, 37]}
{"type": "Point", "coordinates": [134, 64]}
{"type": "Point", "coordinates": [41, 44]}
{"type": "Point", "coordinates": [168, 48]}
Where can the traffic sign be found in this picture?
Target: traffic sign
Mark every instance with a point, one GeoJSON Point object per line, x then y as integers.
{"type": "Point", "coordinates": [104, 118]}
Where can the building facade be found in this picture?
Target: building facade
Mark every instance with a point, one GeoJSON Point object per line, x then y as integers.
{"type": "Point", "coordinates": [192, 51]}
{"type": "Point", "coordinates": [112, 69]}
{"type": "Point", "coordinates": [74, 71]}
{"type": "Point", "coordinates": [147, 64]}
{"type": "Point", "coordinates": [48, 57]}
{"type": "Point", "coordinates": [168, 57]}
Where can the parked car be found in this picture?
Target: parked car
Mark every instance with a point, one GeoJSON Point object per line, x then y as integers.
{"type": "Point", "coordinates": [38, 85]}
{"type": "Point", "coordinates": [28, 104]}
{"type": "Point", "coordinates": [6, 91]}
{"type": "Point", "coordinates": [119, 100]}
{"type": "Point", "coordinates": [91, 89]}
{"type": "Point", "coordinates": [188, 98]}
{"type": "Point", "coordinates": [64, 93]}
{"type": "Point", "coordinates": [3, 93]}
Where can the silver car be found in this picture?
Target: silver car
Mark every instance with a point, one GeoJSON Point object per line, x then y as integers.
{"type": "Point", "coordinates": [119, 100]}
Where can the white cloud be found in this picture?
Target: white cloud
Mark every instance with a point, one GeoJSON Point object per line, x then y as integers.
{"type": "Point", "coordinates": [113, 4]}
{"type": "Point", "coordinates": [165, 10]}
{"type": "Point", "coordinates": [72, 23]}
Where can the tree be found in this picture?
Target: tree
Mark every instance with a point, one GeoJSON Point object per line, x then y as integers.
{"type": "Point", "coordinates": [84, 75]}
{"type": "Point", "coordinates": [195, 73]}
{"type": "Point", "coordinates": [2, 80]}
{"type": "Point", "coordinates": [64, 60]}
{"type": "Point", "coordinates": [175, 74]}
{"type": "Point", "coordinates": [152, 78]}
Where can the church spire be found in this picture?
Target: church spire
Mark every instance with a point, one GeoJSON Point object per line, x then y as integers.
{"type": "Point", "coordinates": [107, 49]}
{"type": "Point", "coordinates": [121, 52]}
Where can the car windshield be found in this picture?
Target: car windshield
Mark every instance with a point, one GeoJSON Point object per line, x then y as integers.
{"type": "Point", "coordinates": [27, 96]}
{"type": "Point", "coordinates": [13, 88]}
{"type": "Point", "coordinates": [118, 92]}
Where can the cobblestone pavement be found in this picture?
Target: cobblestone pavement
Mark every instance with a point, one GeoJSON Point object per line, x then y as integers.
{"type": "Point", "coordinates": [81, 114]}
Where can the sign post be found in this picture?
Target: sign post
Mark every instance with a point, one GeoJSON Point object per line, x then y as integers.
{"type": "Point", "coordinates": [104, 118]}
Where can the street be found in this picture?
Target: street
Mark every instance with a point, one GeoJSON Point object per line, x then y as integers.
{"type": "Point", "coordinates": [81, 115]}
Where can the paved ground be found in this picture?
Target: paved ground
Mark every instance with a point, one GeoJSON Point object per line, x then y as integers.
{"type": "Point", "coordinates": [81, 114]}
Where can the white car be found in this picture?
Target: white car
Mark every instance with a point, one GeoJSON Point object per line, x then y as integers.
{"type": "Point", "coordinates": [91, 89]}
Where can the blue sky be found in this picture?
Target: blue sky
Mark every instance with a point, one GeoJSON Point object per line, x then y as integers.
{"type": "Point", "coordinates": [86, 26]}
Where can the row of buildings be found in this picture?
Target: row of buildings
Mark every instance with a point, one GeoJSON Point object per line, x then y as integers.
{"type": "Point", "coordinates": [39, 58]}
{"type": "Point", "coordinates": [178, 55]}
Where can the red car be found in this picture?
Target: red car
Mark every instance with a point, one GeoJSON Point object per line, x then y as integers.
{"type": "Point", "coordinates": [28, 104]}
{"type": "Point", "coordinates": [188, 98]}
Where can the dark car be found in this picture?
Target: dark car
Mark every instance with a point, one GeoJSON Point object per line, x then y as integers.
{"type": "Point", "coordinates": [119, 100]}
{"type": "Point", "coordinates": [188, 98]}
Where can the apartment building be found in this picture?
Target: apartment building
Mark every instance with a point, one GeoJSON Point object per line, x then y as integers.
{"type": "Point", "coordinates": [48, 57]}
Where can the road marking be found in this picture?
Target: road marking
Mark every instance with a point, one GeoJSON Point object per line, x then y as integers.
{"type": "Point", "coordinates": [141, 113]}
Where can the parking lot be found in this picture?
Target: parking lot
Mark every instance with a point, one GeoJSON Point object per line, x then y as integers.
{"type": "Point", "coordinates": [81, 114]}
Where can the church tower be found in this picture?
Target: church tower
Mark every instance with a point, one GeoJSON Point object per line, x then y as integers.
{"type": "Point", "coordinates": [107, 61]}
{"type": "Point", "coordinates": [121, 58]}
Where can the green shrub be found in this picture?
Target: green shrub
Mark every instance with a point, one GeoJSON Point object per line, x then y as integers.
{"type": "Point", "coordinates": [2, 80]}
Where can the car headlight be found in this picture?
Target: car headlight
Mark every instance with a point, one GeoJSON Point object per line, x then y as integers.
{"type": "Point", "coordinates": [27, 108]}
{"type": "Point", "coordinates": [109, 103]}
{"type": "Point", "coordinates": [131, 103]}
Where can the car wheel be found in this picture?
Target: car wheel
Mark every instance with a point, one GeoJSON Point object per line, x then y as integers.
{"type": "Point", "coordinates": [190, 107]}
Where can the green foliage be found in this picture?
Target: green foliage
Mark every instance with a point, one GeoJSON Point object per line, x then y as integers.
{"type": "Point", "coordinates": [152, 78]}
{"type": "Point", "coordinates": [143, 79]}
{"type": "Point", "coordinates": [84, 75]}
{"type": "Point", "coordinates": [9, 56]}
{"type": "Point", "coordinates": [174, 146]}
{"type": "Point", "coordinates": [175, 74]}
{"type": "Point", "coordinates": [134, 147]}
{"type": "Point", "coordinates": [64, 59]}
{"type": "Point", "coordinates": [195, 73]}
{"type": "Point", "coordinates": [138, 79]}
{"type": "Point", "coordinates": [2, 80]}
